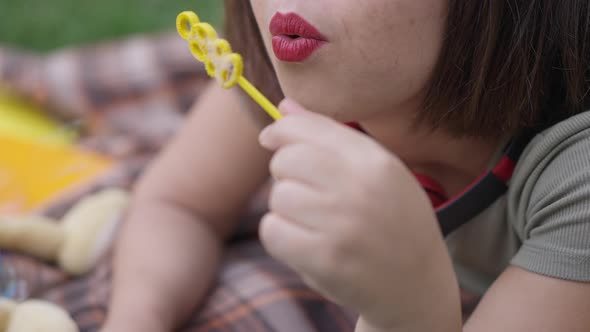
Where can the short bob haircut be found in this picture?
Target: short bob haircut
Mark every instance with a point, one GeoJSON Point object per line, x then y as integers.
{"type": "Point", "coordinates": [505, 65]}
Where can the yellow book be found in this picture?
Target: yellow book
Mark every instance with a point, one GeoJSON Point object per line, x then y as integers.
{"type": "Point", "coordinates": [21, 119]}
{"type": "Point", "coordinates": [38, 161]}
{"type": "Point", "coordinates": [34, 174]}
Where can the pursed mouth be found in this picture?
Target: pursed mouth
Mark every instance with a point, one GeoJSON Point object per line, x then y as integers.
{"type": "Point", "coordinates": [294, 39]}
{"type": "Point", "coordinates": [294, 26]}
{"type": "Point", "coordinates": [295, 49]}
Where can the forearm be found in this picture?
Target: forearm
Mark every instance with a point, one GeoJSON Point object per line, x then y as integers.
{"type": "Point", "coordinates": [165, 261]}
{"type": "Point", "coordinates": [363, 326]}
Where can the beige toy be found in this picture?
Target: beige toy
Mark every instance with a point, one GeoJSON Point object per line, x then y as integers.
{"type": "Point", "coordinates": [75, 243]}
{"type": "Point", "coordinates": [34, 316]}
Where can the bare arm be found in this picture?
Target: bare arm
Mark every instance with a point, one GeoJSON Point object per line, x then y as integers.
{"type": "Point", "coordinates": [187, 203]}
{"type": "Point", "coordinates": [524, 301]}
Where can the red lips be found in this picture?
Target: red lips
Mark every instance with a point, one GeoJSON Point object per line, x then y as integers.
{"type": "Point", "coordinates": [294, 39]}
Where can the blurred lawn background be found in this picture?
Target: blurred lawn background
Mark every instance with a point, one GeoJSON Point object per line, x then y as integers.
{"type": "Point", "coordinates": [45, 25]}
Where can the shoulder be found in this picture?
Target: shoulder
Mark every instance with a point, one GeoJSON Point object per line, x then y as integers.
{"type": "Point", "coordinates": [549, 197]}
{"type": "Point", "coordinates": [553, 160]}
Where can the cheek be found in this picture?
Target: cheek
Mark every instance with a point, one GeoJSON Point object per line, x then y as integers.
{"type": "Point", "coordinates": [263, 11]}
{"type": "Point", "coordinates": [402, 45]}
{"type": "Point", "coordinates": [259, 10]}
{"type": "Point", "coordinates": [387, 52]}
{"type": "Point", "coordinates": [257, 6]}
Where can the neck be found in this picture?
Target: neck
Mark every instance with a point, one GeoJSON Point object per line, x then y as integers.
{"type": "Point", "coordinates": [451, 161]}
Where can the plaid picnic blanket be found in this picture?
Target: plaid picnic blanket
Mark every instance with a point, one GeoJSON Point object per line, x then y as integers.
{"type": "Point", "coordinates": [130, 96]}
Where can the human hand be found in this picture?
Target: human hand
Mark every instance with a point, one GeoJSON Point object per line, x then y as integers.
{"type": "Point", "coordinates": [351, 219]}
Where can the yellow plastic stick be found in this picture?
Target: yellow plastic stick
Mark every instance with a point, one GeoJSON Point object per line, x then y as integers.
{"type": "Point", "coordinates": [259, 98]}
{"type": "Point", "coordinates": [220, 62]}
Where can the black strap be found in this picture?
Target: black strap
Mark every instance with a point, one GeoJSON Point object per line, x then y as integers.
{"type": "Point", "coordinates": [483, 193]}
{"type": "Point", "coordinates": [476, 199]}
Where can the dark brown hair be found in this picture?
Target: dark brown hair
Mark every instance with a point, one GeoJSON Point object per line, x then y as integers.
{"type": "Point", "coordinates": [505, 65]}
{"type": "Point", "coordinates": [243, 34]}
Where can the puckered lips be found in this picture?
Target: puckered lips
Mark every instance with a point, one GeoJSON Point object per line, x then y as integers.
{"type": "Point", "coordinates": [294, 39]}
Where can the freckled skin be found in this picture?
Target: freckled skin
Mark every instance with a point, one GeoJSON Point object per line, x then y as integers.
{"type": "Point", "coordinates": [379, 58]}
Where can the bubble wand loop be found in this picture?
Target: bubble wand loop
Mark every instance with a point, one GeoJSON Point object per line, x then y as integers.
{"type": "Point", "coordinates": [220, 62]}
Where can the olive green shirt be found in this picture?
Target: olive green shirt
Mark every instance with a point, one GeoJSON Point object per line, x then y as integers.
{"type": "Point", "coordinates": [542, 224]}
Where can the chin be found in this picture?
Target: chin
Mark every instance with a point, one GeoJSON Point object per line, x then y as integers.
{"type": "Point", "coordinates": [336, 106]}
{"type": "Point", "coordinates": [322, 99]}
{"type": "Point", "coordinates": [320, 104]}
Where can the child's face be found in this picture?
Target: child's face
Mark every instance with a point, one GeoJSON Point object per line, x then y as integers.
{"type": "Point", "coordinates": [378, 55]}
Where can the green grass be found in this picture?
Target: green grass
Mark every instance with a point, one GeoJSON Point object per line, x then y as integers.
{"type": "Point", "coordinates": [44, 25]}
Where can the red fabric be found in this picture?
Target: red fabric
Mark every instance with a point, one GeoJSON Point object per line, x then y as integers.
{"type": "Point", "coordinates": [504, 169]}
{"type": "Point", "coordinates": [435, 191]}
{"type": "Point", "coordinates": [356, 126]}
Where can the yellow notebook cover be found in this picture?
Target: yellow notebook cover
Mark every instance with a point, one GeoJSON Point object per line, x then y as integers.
{"type": "Point", "coordinates": [33, 174]}
{"type": "Point", "coordinates": [19, 118]}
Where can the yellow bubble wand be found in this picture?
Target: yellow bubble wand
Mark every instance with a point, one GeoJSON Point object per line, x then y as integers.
{"type": "Point", "coordinates": [220, 62]}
